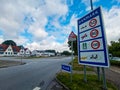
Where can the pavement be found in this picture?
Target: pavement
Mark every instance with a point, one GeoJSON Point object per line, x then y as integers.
{"type": "Point", "coordinates": [112, 74]}
{"type": "Point", "coordinates": [7, 63]}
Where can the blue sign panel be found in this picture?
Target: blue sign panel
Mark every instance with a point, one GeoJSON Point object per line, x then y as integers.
{"type": "Point", "coordinates": [92, 44]}
{"type": "Point", "coordinates": [66, 68]}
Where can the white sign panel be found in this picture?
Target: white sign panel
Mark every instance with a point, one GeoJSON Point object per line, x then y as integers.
{"type": "Point", "coordinates": [92, 46]}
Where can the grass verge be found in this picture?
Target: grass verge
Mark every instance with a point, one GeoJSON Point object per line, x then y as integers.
{"type": "Point", "coordinates": [79, 67]}
{"type": "Point", "coordinates": [79, 84]}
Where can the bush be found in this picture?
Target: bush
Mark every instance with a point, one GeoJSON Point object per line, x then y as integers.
{"type": "Point", "coordinates": [115, 63]}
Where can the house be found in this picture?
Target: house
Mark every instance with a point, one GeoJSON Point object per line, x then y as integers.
{"type": "Point", "coordinates": [48, 54]}
{"type": "Point", "coordinates": [37, 53]}
{"type": "Point", "coordinates": [27, 52]}
{"type": "Point", "coordinates": [9, 50]}
{"type": "Point", "coordinates": [6, 50]}
{"type": "Point", "coordinates": [42, 53]}
{"type": "Point", "coordinates": [24, 52]}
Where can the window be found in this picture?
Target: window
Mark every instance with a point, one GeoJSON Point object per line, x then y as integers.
{"type": "Point", "coordinates": [9, 49]}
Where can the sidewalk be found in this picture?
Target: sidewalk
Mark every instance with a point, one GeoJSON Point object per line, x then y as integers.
{"type": "Point", "coordinates": [4, 63]}
{"type": "Point", "coordinates": [115, 69]}
{"type": "Point", "coordinates": [113, 75]}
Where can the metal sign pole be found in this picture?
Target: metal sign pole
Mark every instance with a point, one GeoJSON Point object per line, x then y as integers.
{"type": "Point", "coordinates": [72, 59]}
{"type": "Point", "coordinates": [21, 58]}
{"type": "Point", "coordinates": [85, 76]}
{"type": "Point", "coordinates": [104, 79]}
{"type": "Point", "coordinates": [98, 73]}
{"type": "Point", "coordinates": [98, 69]}
{"type": "Point", "coordinates": [91, 4]}
{"type": "Point", "coordinates": [71, 38]}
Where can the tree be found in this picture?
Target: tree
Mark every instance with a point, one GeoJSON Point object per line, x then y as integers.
{"type": "Point", "coordinates": [9, 42]}
{"type": "Point", "coordinates": [114, 48]}
{"type": "Point", "coordinates": [74, 46]}
{"type": "Point", "coordinates": [66, 53]}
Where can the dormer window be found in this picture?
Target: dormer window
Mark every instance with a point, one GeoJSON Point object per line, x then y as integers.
{"type": "Point", "coordinates": [9, 49]}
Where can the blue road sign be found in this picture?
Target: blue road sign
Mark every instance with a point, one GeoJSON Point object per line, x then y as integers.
{"type": "Point", "coordinates": [92, 44]}
{"type": "Point", "coordinates": [66, 68]}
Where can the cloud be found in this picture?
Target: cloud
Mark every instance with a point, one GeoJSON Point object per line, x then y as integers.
{"type": "Point", "coordinates": [16, 16]}
{"type": "Point", "coordinates": [88, 4]}
{"type": "Point", "coordinates": [48, 43]}
{"type": "Point", "coordinates": [116, 1]}
{"type": "Point", "coordinates": [111, 18]}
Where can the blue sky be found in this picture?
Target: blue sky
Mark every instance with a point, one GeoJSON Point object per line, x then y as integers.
{"type": "Point", "coordinates": [46, 24]}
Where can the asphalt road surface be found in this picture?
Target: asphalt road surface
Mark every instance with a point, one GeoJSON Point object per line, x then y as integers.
{"type": "Point", "coordinates": [36, 73]}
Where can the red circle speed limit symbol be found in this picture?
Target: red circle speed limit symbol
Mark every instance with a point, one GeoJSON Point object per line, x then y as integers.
{"type": "Point", "coordinates": [93, 22]}
{"type": "Point", "coordinates": [94, 33]}
{"type": "Point", "coordinates": [95, 44]}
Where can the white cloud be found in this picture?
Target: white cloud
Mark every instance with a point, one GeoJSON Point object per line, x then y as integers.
{"type": "Point", "coordinates": [1, 39]}
{"type": "Point", "coordinates": [112, 22]}
{"type": "Point", "coordinates": [53, 7]}
{"type": "Point", "coordinates": [88, 4]}
{"type": "Point", "coordinates": [48, 43]}
{"type": "Point", "coordinates": [12, 24]}
{"type": "Point", "coordinates": [116, 1]}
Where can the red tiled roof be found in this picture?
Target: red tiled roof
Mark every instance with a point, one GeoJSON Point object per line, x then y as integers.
{"type": "Point", "coordinates": [3, 46]}
{"type": "Point", "coordinates": [16, 48]}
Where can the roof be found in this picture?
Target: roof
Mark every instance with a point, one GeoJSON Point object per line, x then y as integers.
{"type": "Point", "coordinates": [15, 48]}
{"type": "Point", "coordinates": [3, 47]}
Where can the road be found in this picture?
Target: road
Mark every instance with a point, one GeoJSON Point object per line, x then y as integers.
{"type": "Point", "coordinates": [35, 73]}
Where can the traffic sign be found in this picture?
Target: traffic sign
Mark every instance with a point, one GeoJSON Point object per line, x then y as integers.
{"type": "Point", "coordinates": [94, 33]}
{"type": "Point", "coordinates": [93, 22]}
{"type": "Point", "coordinates": [92, 44]}
{"type": "Point", "coordinates": [95, 44]}
{"type": "Point", "coordinates": [72, 36]}
{"type": "Point", "coordinates": [66, 67]}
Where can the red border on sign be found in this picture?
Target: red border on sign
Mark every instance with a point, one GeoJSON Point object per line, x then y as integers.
{"type": "Point", "coordinates": [94, 23]}
{"type": "Point", "coordinates": [93, 43]}
{"type": "Point", "coordinates": [97, 32]}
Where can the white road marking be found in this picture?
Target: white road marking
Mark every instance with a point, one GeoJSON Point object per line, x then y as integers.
{"type": "Point", "coordinates": [37, 88]}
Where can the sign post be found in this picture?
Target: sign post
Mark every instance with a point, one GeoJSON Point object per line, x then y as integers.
{"type": "Point", "coordinates": [72, 38]}
{"type": "Point", "coordinates": [92, 44]}
{"type": "Point", "coordinates": [98, 68]}
{"type": "Point", "coordinates": [68, 69]}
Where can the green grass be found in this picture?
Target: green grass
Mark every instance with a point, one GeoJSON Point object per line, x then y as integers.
{"type": "Point", "coordinates": [115, 63]}
{"type": "Point", "coordinates": [79, 67]}
{"type": "Point", "coordinates": [79, 84]}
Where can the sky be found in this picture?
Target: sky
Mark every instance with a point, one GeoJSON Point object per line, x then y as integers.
{"type": "Point", "coordinates": [46, 24]}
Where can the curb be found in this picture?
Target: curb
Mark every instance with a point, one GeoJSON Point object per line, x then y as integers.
{"type": "Point", "coordinates": [6, 66]}
{"type": "Point", "coordinates": [61, 83]}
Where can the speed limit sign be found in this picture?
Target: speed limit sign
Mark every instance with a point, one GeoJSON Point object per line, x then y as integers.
{"type": "Point", "coordinates": [93, 22]}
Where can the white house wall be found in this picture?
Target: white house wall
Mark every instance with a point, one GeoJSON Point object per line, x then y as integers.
{"type": "Point", "coordinates": [9, 51]}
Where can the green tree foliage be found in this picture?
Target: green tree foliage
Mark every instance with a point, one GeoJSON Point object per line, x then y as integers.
{"type": "Point", "coordinates": [66, 53]}
{"type": "Point", "coordinates": [51, 51]}
{"type": "Point", "coordinates": [114, 48]}
{"type": "Point", "coordinates": [74, 46]}
{"type": "Point", "coordinates": [9, 42]}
